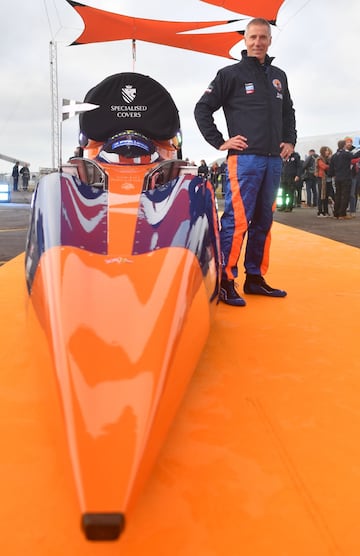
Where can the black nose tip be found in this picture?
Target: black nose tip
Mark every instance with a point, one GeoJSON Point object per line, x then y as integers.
{"type": "Point", "coordinates": [103, 526]}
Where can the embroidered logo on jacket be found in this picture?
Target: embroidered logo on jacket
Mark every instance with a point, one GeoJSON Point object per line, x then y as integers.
{"type": "Point", "coordinates": [249, 88]}
{"type": "Point", "coordinates": [278, 86]}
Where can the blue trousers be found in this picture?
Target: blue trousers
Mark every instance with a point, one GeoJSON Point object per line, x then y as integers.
{"type": "Point", "coordinates": [252, 182]}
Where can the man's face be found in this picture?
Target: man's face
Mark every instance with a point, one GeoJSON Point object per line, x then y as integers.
{"type": "Point", "coordinates": [257, 41]}
{"type": "Point", "coordinates": [348, 144]}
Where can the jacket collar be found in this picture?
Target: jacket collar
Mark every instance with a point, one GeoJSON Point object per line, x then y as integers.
{"type": "Point", "coordinates": [267, 62]}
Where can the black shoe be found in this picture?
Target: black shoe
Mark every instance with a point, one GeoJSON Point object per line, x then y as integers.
{"type": "Point", "coordinates": [256, 285]}
{"type": "Point", "coordinates": [229, 295]}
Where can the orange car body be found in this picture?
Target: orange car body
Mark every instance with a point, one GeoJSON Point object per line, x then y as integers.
{"type": "Point", "coordinates": [122, 267]}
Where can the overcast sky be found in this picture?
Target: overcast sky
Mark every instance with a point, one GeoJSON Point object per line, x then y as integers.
{"type": "Point", "coordinates": [315, 42]}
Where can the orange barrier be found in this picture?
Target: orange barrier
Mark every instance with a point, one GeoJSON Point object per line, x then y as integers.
{"type": "Point", "coordinates": [263, 456]}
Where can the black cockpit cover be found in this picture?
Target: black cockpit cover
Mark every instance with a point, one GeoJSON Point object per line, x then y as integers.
{"type": "Point", "coordinates": [130, 101]}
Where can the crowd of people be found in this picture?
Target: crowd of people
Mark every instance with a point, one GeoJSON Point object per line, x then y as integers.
{"type": "Point", "coordinates": [215, 173]}
{"type": "Point", "coordinates": [330, 181]}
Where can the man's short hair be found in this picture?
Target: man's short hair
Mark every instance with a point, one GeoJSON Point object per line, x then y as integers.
{"type": "Point", "coordinates": [258, 21]}
{"type": "Point", "coordinates": [341, 144]}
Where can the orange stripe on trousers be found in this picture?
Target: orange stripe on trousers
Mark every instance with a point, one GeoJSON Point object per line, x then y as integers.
{"type": "Point", "coordinates": [240, 221]}
{"type": "Point", "coordinates": [266, 254]}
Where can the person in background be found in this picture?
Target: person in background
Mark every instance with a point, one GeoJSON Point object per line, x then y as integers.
{"type": "Point", "coordinates": [299, 184]}
{"type": "Point", "coordinates": [251, 93]}
{"type": "Point", "coordinates": [222, 171]}
{"type": "Point", "coordinates": [340, 169]}
{"type": "Point", "coordinates": [25, 173]}
{"type": "Point", "coordinates": [15, 176]}
{"type": "Point", "coordinates": [322, 166]}
{"type": "Point", "coordinates": [354, 188]}
{"type": "Point", "coordinates": [214, 175]}
{"type": "Point", "coordinates": [310, 179]}
{"type": "Point", "coordinates": [330, 192]}
{"type": "Point", "coordinates": [203, 169]}
{"type": "Point", "coordinates": [290, 177]}
{"type": "Point", "coordinates": [357, 177]}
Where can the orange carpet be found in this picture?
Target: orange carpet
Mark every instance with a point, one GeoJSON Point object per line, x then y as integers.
{"type": "Point", "coordinates": [263, 458]}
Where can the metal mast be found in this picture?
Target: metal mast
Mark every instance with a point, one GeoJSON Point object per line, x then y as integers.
{"type": "Point", "coordinates": [54, 105]}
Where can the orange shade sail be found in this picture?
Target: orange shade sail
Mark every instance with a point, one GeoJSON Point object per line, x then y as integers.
{"type": "Point", "coordinates": [253, 8]}
{"type": "Point", "coordinates": [104, 26]}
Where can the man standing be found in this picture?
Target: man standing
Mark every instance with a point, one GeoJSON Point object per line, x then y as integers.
{"type": "Point", "coordinates": [203, 169]}
{"type": "Point", "coordinates": [340, 169]}
{"type": "Point", "coordinates": [310, 178]}
{"type": "Point", "coordinates": [290, 178]}
{"type": "Point", "coordinates": [223, 177]}
{"type": "Point", "coordinates": [15, 176]}
{"type": "Point", "coordinates": [260, 118]}
{"type": "Point", "coordinates": [354, 187]}
{"type": "Point", "coordinates": [25, 172]}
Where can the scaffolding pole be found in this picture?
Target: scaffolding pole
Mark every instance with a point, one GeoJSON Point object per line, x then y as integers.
{"type": "Point", "coordinates": [55, 127]}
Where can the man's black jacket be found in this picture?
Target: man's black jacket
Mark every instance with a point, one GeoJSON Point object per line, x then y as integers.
{"type": "Point", "coordinates": [340, 165]}
{"type": "Point", "coordinates": [292, 167]}
{"type": "Point", "coordinates": [256, 102]}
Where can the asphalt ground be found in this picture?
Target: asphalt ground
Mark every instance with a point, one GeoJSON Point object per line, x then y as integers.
{"type": "Point", "coordinates": [14, 221]}
{"type": "Point", "coordinates": [306, 219]}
